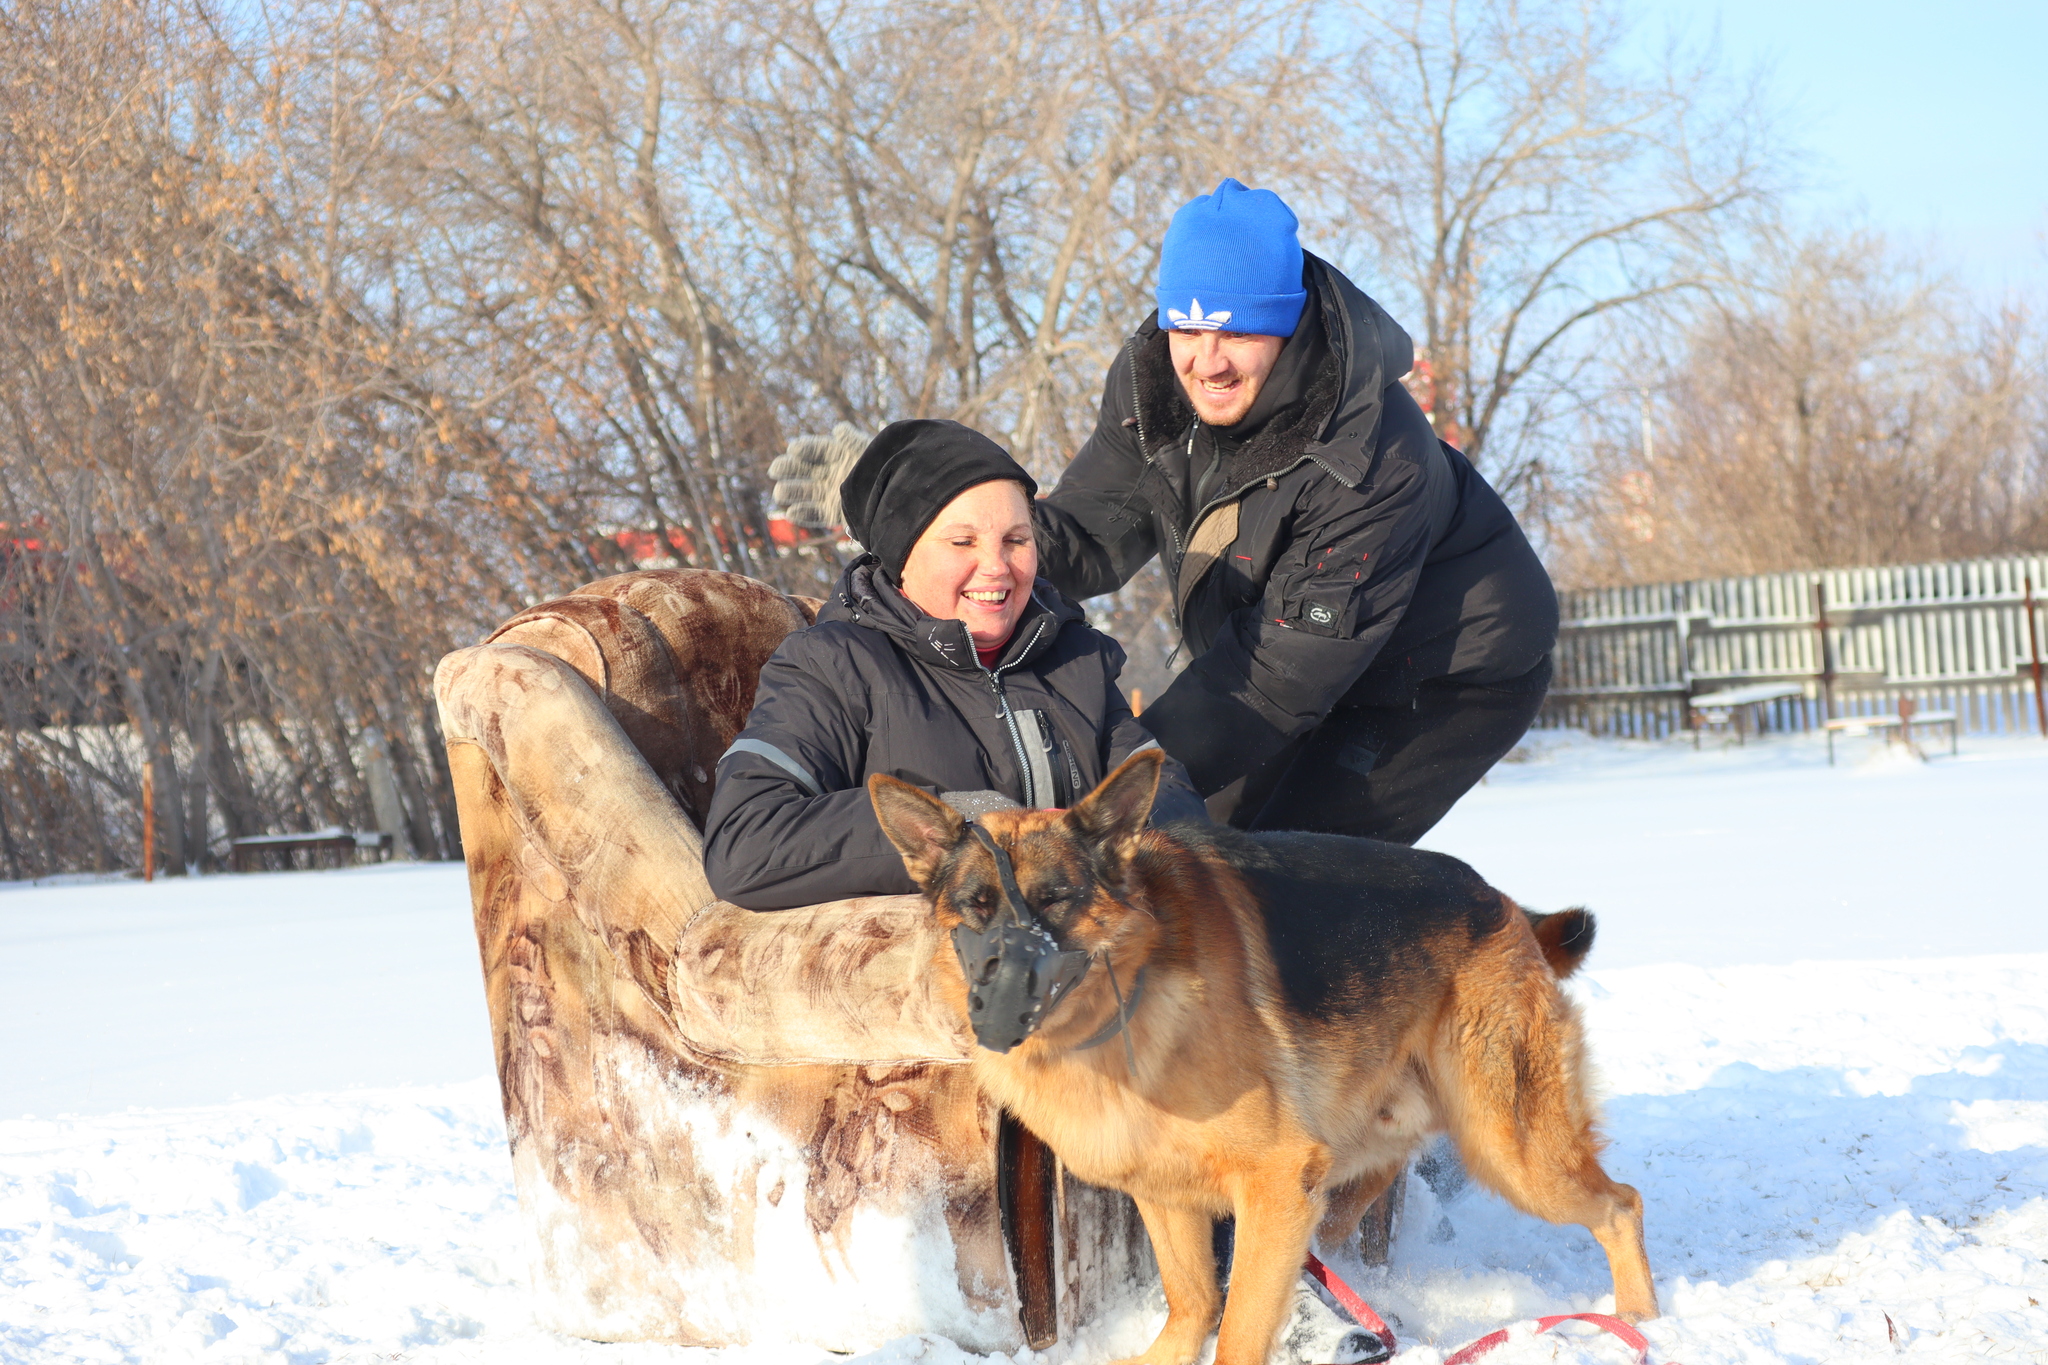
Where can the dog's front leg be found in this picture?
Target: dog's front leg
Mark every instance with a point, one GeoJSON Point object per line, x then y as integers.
{"type": "Point", "coordinates": [1181, 1243]}
{"type": "Point", "coordinates": [1275, 1217]}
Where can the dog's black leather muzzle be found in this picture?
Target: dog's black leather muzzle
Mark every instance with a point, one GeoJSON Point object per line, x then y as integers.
{"type": "Point", "coordinates": [1016, 971]}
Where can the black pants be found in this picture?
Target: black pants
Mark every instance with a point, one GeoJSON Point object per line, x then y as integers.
{"type": "Point", "coordinates": [1382, 772]}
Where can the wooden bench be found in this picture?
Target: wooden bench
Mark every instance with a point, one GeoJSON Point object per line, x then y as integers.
{"type": "Point", "coordinates": [331, 847]}
{"type": "Point", "coordinates": [1736, 707]}
{"type": "Point", "coordinates": [1898, 728]}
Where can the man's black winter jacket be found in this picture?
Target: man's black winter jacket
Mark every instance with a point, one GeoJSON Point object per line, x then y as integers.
{"type": "Point", "coordinates": [877, 686]}
{"type": "Point", "coordinates": [1342, 557]}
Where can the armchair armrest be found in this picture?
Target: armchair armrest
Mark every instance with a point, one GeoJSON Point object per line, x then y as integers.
{"type": "Point", "coordinates": [592, 815]}
{"type": "Point", "coordinates": [861, 981]}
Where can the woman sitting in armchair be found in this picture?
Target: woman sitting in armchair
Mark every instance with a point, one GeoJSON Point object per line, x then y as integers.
{"type": "Point", "coordinates": [942, 659]}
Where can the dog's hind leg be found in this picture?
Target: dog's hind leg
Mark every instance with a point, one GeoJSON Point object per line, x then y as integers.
{"type": "Point", "coordinates": [1348, 1204]}
{"type": "Point", "coordinates": [1510, 1077]}
{"type": "Point", "coordinates": [1570, 1187]}
{"type": "Point", "coordinates": [1187, 1271]}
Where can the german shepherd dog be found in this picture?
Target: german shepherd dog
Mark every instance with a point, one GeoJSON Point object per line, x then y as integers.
{"type": "Point", "coordinates": [1302, 1010]}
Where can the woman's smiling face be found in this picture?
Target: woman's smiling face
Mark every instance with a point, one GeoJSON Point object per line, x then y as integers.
{"type": "Point", "coordinates": [976, 561]}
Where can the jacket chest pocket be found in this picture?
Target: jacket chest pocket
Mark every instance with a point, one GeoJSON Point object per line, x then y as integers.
{"type": "Point", "coordinates": [1061, 740]}
{"type": "Point", "coordinates": [1051, 772]}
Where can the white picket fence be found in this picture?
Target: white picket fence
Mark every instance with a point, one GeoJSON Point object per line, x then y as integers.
{"type": "Point", "coordinates": [1953, 637]}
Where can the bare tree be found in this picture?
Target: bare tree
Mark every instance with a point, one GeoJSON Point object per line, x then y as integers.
{"type": "Point", "coordinates": [335, 336]}
{"type": "Point", "coordinates": [553, 160]}
{"type": "Point", "coordinates": [961, 202]}
{"type": "Point", "coordinates": [259, 520]}
{"type": "Point", "coordinates": [330, 334]}
{"type": "Point", "coordinates": [1843, 405]}
{"type": "Point", "coordinates": [1516, 178]}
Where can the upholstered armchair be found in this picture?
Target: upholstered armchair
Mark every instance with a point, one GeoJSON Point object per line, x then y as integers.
{"type": "Point", "coordinates": [727, 1126]}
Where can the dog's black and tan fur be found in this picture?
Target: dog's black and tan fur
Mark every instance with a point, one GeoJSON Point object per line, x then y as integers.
{"type": "Point", "coordinates": [1313, 1007]}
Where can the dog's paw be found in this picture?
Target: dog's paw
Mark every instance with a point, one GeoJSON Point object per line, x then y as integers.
{"type": "Point", "coordinates": [1634, 1308]}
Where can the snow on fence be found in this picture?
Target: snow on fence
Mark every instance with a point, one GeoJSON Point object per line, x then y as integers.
{"type": "Point", "coordinates": [1953, 637]}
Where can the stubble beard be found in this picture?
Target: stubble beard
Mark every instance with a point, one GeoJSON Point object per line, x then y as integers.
{"type": "Point", "coordinates": [1241, 400]}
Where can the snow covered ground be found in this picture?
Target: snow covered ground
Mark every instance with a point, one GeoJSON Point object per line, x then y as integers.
{"type": "Point", "coordinates": [198, 990]}
{"type": "Point", "coordinates": [1763, 853]}
{"type": "Point", "coordinates": [264, 1129]}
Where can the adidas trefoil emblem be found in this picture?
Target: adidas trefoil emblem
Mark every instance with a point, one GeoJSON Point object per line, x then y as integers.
{"type": "Point", "coordinates": [1195, 320]}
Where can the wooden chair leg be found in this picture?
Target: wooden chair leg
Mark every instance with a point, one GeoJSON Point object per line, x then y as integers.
{"type": "Point", "coordinates": [1376, 1228]}
{"type": "Point", "coordinates": [1025, 1180]}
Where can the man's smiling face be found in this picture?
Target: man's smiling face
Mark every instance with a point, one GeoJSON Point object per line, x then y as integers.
{"type": "Point", "coordinates": [1222, 372]}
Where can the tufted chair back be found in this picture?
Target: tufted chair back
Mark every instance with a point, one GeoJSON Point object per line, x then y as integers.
{"type": "Point", "coordinates": [675, 656]}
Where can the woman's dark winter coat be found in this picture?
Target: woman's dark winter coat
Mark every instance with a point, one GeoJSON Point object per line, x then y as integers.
{"type": "Point", "coordinates": [877, 686]}
{"type": "Point", "coordinates": [1366, 556]}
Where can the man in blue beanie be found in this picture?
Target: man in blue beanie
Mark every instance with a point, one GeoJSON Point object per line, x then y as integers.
{"type": "Point", "coordinates": [1371, 630]}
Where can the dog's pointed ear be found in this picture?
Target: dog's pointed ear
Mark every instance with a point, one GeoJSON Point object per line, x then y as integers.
{"type": "Point", "coordinates": [1117, 810]}
{"type": "Point", "coordinates": [923, 828]}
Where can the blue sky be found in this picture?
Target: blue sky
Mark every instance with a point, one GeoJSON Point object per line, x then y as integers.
{"type": "Point", "coordinates": [1929, 120]}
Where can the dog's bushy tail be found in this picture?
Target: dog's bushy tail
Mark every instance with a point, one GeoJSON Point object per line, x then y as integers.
{"type": "Point", "coordinates": [1565, 936]}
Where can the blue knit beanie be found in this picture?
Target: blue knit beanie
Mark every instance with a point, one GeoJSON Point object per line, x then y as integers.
{"type": "Point", "coordinates": [1231, 262]}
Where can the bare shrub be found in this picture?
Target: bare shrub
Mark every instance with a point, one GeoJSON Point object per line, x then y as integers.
{"type": "Point", "coordinates": [257, 522]}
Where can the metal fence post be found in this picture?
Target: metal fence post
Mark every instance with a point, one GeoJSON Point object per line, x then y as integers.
{"type": "Point", "coordinates": [149, 819]}
{"type": "Point", "coordinates": [1820, 628]}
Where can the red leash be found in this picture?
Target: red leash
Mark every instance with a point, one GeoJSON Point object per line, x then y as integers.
{"type": "Point", "coordinates": [1615, 1325]}
{"type": "Point", "coordinates": [1361, 1313]}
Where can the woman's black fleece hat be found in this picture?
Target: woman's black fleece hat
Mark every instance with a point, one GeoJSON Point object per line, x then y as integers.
{"type": "Point", "coordinates": [908, 474]}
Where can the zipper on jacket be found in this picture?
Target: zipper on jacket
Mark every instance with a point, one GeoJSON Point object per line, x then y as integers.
{"type": "Point", "coordinates": [1144, 449]}
{"type": "Point", "coordinates": [1216, 502]}
{"type": "Point", "coordinates": [1137, 402]}
{"type": "Point", "coordinates": [1066, 752]}
{"type": "Point", "coordinates": [995, 685]}
{"type": "Point", "coordinates": [1206, 508]}
{"type": "Point", "coordinates": [1144, 446]}
{"type": "Point", "coordinates": [1059, 763]}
